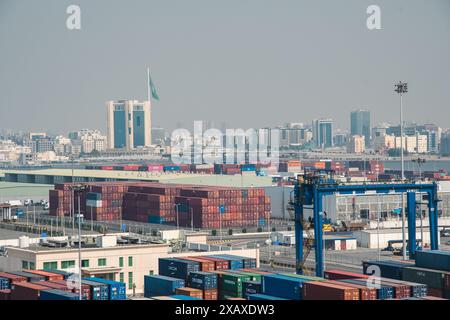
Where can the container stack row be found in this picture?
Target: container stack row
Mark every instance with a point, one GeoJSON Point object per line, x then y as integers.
{"type": "Point", "coordinates": [430, 268]}
{"type": "Point", "coordinates": [194, 206]}
{"type": "Point", "coordinates": [46, 285]}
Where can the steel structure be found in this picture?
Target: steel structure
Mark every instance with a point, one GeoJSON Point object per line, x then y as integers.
{"type": "Point", "coordinates": [314, 186]}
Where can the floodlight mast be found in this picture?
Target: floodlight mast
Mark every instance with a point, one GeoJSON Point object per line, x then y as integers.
{"type": "Point", "coordinates": [402, 88]}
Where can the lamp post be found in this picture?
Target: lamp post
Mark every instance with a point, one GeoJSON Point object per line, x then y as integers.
{"type": "Point", "coordinates": [79, 188]}
{"type": "Point", "coordinates": [420, 162]}
{"type": "Point", "coordinates": [178, 220]}
{"type": "Point", "coordinates": [402, 88]}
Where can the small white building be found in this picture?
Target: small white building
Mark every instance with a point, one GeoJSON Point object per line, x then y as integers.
{"type": "Point", "coordinates": [373, 239]}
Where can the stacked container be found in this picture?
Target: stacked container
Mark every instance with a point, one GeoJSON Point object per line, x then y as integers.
{"type": "Point", "coordinates": [116, 290]}
{"type": "Point", "coordinates": [57, 295]}
{"type": "Point", "coordinates": [177, 268]}
{"type": "Point", "coordinates": [158, 285]}
{"type": "Point", "coordinates": [282, 286]}
{"type": "Point", "coordinates": [98, 291]}
{"type": "Point", "coordinates": [320, 290]}
{"type": "Point", "coordinates": [190, 292]}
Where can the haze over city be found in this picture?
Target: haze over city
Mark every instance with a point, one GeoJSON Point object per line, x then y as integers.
{"type": "Point", "coordinates": [246, 63]}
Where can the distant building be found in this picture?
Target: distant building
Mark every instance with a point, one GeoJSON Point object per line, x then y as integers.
{"type": "Point", "coordinates": [340, 139]}
{"type": "Point", "coordinates": [158, 136]}
{"type": "Point", "coordinates": [322, 133]}
{"type": "Point", "coordinates": [356, 144]}
{"type": "Point", "coordinates": [39, 142]}
{"type": "Point", "coordinates": [360, 124]}
{"type": "Point", "coordinates": [445, 145]}
{"type": "Point", "coordinates": [89, 140]}
{"type": "Point", "coordinates": [129, 124]}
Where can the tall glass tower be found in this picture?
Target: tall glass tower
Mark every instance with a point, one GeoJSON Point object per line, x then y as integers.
{"type": "Point", "coordinates": [360, 124]}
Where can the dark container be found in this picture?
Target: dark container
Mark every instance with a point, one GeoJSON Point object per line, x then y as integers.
{"type": "Point", "coordinates": [251, 287]}
{"type": "Point", "coordinates": [177, 268]}
{"type": "Point", "coordinates": [158, 285]}
{"type": "Point", "coordinates": [282, 286]}
{"type": "Point", "coordinates": [202, 280]}
{"type": "Point", "coordinates": [5, 295]}
{"type": "Point", "coordinates": [433, 259]}
{"type": "Point", "coordinates": [388, 269]}
{"type": "Point", "coordinates": [54, 294]}
{"type": "Point", "coordinates": [26, 291]}
{"type": "Point", "coordinates": [4, 284]}
{"type": "Point", "coordinates": [432, 278]}
{"type": "Point", "coordinates": [205, 265]}
{"type": "Point", "coordinates": [116, 289]}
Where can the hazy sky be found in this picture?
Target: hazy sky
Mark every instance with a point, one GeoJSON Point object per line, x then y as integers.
{"type": "Point", "coordinates": [249, 63]}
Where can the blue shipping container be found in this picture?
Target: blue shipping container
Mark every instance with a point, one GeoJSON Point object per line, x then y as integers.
{"type": "Point", "coordinates": [157, 285]}
{"type": "Point", "coordinates": [117, 290]}
{"type": "Point", "coordinates": [172, 168]}
{"type": "Point", "coordinates": [94, 196]}
{"type": "Point", "coordinates": [58, 295]}
{"type": "Point", "coordinates": [282, 286]}
{"type": "Point", "coordinates": [202, 280]}
{"type": "Point", "coordinates": [99, 291]}
{"type": "Point", "coordinates": [263, 297]}
{"type": "Point", "coordinates": [4, 284]}
{"type": "Point", "coordinates": [248, 263]}
{"type": "Point", "coordinates": [433, 259]}
{"type": "Point", "coordinates": [177, 268]}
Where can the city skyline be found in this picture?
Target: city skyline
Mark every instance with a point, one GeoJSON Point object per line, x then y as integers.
{"type": "Point", "coordinates": [62, 78]}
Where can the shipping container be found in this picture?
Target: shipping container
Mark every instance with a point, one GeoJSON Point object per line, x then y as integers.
{"type": "Point", "coordinates": [85, 289]}
{"type": "Point", "coordinates": [98, 291]}
{"type": "Point", "coordinates": [383, 291]}
{"type": "Point", "coordinates": [26, 291]}
{"type": "Point", "coordinates": [116, 290]}
{"type": "Point", "coordinates": [231, 283]}
{"type": "Point", "coordinates": [177, 268]}
{"type": "Point", "coordinates": [29, 276]}
{"type": "Point", "coordinates": [53, 294]}
{"type": "Point", "coordinates": [319, 290]}
{"type": "Point", "coordinates": [233, 262]}
{"type": "Point", "coordinates": [65, 274]}
{"type": "Point", "coordinates": [251, 287]}
{"type": "Point", "coordinates": [282, 286]}
{"type": "Point", "coordinates": [159, 285]}
{"type": "Point", "coordinates": [4, 284]}
{"type": "Point", "coordinates": [365, 293]}
{"type": "Point", "coordinates": [205, 265]}
{"type": "Point", "coordinates": [219, 264]}
{"type": "Point", "coordinates": [202, 280]}
{"type": "Point", "coordinates": [432, 278]}
{"type": "Point", "coordinates": [340, 275]}
{"type": "Point", "coordinates": [388, 269]}
{"type": "Point", "coordinates": [182, 297]}
{"type": "Point", "coordinates": [13, 278]}
{"type": "Point", "coordinates": [263, 297]}
{"type": "Point", "coordinates": [210, 294]}
{"type": "Point", "coordinates": [47, 274]}
{"type": "Point", "coordinates": [433, 259]}
{"type": "Point", "coordinates": [191, 292]}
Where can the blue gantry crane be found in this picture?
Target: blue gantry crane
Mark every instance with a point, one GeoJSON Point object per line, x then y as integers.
{"type": "Point", "coordinates": [312, 187]}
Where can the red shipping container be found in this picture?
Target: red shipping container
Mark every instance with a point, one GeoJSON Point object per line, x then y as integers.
{"type": "Point", "coordinates": [205, 265]}
{"type": "Point", "coordinates": [13, 279]}
{"type": "Point", "coordinates": [365, 293]}
{"type": "Point", "coordinates": [48, 275]}
{"type": "Point", "coordinates": [341, 275]}
{"type": "Point", "coordinates": [320, 290]}
{"type": "Point", "coordinates": [26, 291]}
{"type": "Point", "coordinates": [190, 292]}
{"type": "Point", "coordinates": [435, 292]}
{"type": "Point", "coordinates": [210, 294]}
{"type": "Point", "coordinates": [219, 264]}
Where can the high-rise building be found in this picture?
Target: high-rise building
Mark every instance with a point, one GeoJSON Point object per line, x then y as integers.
{"type": "Point", "coordinates": [322, 133]}
{"type": "Point", "coordinates": [356, 144]}
{"type": "Point", "coordinates": [445, 144]}
{"type": "Point", "coordinates": [360, 124]}
{"type": "Point", "coordinates": [129, 124]}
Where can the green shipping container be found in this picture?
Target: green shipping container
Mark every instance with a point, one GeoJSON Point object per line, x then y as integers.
{"type": "Point", "coordinates": [253, 276]}
{"type": "Point", "coordinates": [232, 282]}
{"type": "Point", "coordinates": [225, 295]}
{"type": "Point", "coordinates": [432, 278]}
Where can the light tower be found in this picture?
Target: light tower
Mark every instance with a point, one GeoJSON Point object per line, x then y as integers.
{"type": "Point", "coordinates": [401, 88]}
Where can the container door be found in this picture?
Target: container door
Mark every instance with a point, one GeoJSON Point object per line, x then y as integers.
{"type": "Point", "coordinates": [343, 245]}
